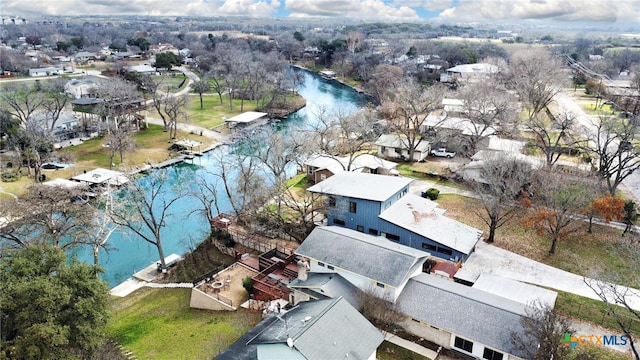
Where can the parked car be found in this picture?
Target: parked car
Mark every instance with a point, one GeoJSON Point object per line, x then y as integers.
{"type": "Point", "coordinates": [442, 152]}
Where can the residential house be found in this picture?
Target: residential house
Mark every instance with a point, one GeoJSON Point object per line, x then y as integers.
{"type": "Point", "coordinates": [84, 87]}
{"type": "Point", "coordinates": [382, 206]}
{"type": "Point", "coordinates": [392, 146]}
{"type": "Point", "coordinates": [459, 317]}
{"type": "Point", "coordinates": [468, 72]}
{"type": "Point", "coordinates": [453, 132]}
{"type": "Point", "coordinates": [475, 321]}
{"type": "Point", "coordinates": [83, 57]}
{"type": "Point", "coordinates": [370, 263]}
{"type": "Point", "coordinates": [47, 71]}
{"type": "Point", "coordinates": [320, 166]}
{"type": "Point", "coordinates": [314, 330]}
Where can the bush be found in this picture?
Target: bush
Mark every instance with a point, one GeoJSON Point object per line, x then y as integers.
{"type": "Point", "coordinates": [431, 193]}
{"type": "Point", "coordinates": [10, 177]}
{"type": "Point", "coordinates": [247, 284]}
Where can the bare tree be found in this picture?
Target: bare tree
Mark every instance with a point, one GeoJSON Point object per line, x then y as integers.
{"type": "Point", "coordinates": [120, 141]}
{"type": "Point", "coordinates": [503, 182]}
{"type": "Point", "coordinates": [337, 135]}
{"type": "Point", "coordinates": [489, 110]}
{"type": "Point", "coordinates": [22, 101]}
{"type": "Point", "coordinates": [552, 134]}
{"type": "Point", "coordinates": [543, 333]}
{"type": "Point", "coordinates": [384, 79]}
{"type": "Point", "coordinates": [174, 107]}
{"type": "Point", "coordinates": [537, 77]}
{"type": "Point", "coordinates": [47, 214]}
{"type": "Point", "coordinates": [355, 40]}
{"type": "Point", "coordinates": [614, 145]}
{"type": "Point", "coordinates": [409, 108]}
{"type": "Point", "coordinates": [145, 206]}
{"type": "Point", "coordinates": [117, 105]}
{"type": "Point", "coordinates": [557, 205]}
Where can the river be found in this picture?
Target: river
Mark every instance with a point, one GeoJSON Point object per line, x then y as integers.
{"type": "Point", "coordinates": [185, 229]}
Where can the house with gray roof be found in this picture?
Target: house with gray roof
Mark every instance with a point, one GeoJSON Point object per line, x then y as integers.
{"type": "Point", "coordinates": [370, 263]}
{"type": "Point", "coordinates": [382, 206]}
{"type": "Point", "coordinates": [463, 318]}
{"type": "Point", "coordinates": [393, 146]}
{"type": "Point", "coordinates": [321, 166]}
{"type": "Point", "coordinates": [314, 330]}
{"type": "Point", "coordinates": [322, 286]}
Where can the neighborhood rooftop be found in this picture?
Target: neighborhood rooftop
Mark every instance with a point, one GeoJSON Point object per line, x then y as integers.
{"type": "Point", "coordinates": [463, 310]}
{"type": "Point", "coordinates": [322, 329]}
{"type": "Point", "coordinates": [362, 254]}
{"type": "Point", "coordinates": [361, 186]}
{"type": "Point", "coordinates": [417, 214]}
{"type": "Point", "coordinates": [246, 117]}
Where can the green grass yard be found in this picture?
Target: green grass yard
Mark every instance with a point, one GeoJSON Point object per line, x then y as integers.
{"type": "Point", "coordinates": [158, 324]}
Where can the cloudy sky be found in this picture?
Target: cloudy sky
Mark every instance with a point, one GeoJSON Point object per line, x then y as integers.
{"type": "Point", "coordinates": [586, 11]}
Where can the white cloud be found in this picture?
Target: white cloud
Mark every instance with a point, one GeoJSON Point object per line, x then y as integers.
{"type": "Point", "coordinates": [562, 10]}
{"type": "Point", "coordinates": [349, 8]}
{"type": "Point", "coordinates": [447, 13]}
{"type": "Point", "coordinates": [143, 7]}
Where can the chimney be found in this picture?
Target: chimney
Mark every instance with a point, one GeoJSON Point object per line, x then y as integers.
{"type": "Point", "coordinates": [303, 269]}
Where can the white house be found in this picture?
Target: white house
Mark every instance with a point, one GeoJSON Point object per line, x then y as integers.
{"type": "Point", "coordinates": [48, 71]}
{"type": "Point", "coordinates": [468, 72]}
{"type": "Point", "coordinates": [319, 166]}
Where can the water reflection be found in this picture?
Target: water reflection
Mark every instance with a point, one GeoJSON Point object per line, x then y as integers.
{"type": "Point", "coordinates": [187, 227]}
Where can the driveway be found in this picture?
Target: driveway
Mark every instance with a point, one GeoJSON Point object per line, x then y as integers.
{"type": "Point", "coordinates": [494, 260]}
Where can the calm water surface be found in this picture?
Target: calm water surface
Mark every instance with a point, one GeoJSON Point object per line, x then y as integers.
{"type": "Point", "coordinates": [186, 229]}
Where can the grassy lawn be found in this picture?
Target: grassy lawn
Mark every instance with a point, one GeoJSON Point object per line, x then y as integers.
{"type": "Point", "coordinates": [428, 171]}
{"type": "Point", "coordinates": [389, 351]}
{"type": "Point", "coordinates": [213, 112]}
{"type": "Point", "coordinates": [158, 324]}
{"type": "Point", "coordinates": [152, 146]}
{"type": "Point", "coordinates": [593, 311]}
{"type": "Point", "coordinates": [581, 253]}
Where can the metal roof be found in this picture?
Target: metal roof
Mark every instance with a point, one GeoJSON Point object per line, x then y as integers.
{"type": "Point", "coordinates": [369, 256]}
{"type": "Point", "coordinates": [246, 117]}
{"type": "Point", "coordinates": [339, 164]}
{"type": "Point", "coordinates": [515, 290]}
{"type": "Point", "coordinates": [361, 186]}
{"type": "Point", "coordinates": [417, 214]}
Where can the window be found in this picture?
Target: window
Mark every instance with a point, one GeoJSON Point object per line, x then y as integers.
{"type": "Point", "coordinates": [360, 228]}
{"type": "Point", "coordinates": [491, 354]}
{"type": "Point", "coordinates": [380, 285]}
{"type": "Point", "coordinates": [309, 170]}
{"type": "Point", "coordinates": [463, 344]}
{"type": "Point", "coordinates": [338, 222]}
{"type": "Point", "coordinates": [429, 247]}
{"type": "Point", "coordinates": [323, 177]}
{"type": "Point", "coordinates": [353, 207]}
{"type": "Point", "coordinates": [320, 264]}
{"type": "Point", "coordinates": [383, 149]}
{"type": "Point", "coordinates": [330, 267]}
{"type": "Point", "coordinates": [332, 201]}
{"type": "Point", "coordinates": [445, 251]}
{"type": "Point", "coordinates": [373, 231]}
{"type": "Point", "coordinates": [393, 237]}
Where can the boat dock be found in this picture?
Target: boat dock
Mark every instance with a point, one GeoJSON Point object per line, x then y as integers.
{"type": "Point", "coordinates": [168, 163]}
